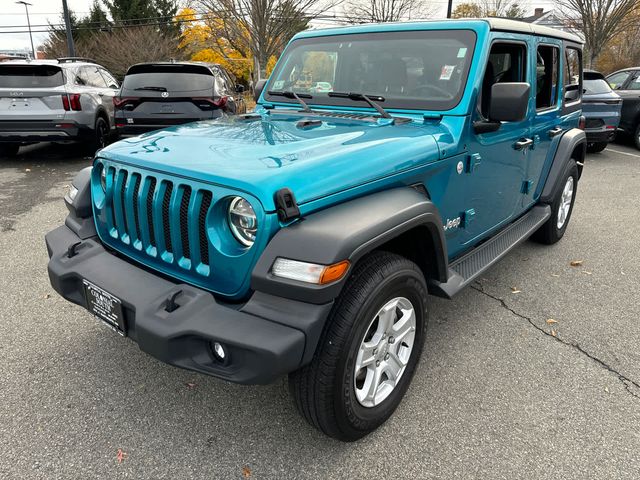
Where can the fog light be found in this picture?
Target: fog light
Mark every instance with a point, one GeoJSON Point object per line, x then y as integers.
{"type": "Point", "coordinates": [219, 352]}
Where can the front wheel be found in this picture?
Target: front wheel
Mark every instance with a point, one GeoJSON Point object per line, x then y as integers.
{"type": "Point", "coordinates": [561, 208]}
{"type": "Point", "coordinates": [636, 136]}
{"type": "Point", "coordinates": [368, 351]}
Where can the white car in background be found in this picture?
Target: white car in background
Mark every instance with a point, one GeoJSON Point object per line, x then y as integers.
{"type": "Point", "coordinates": [63, 100]}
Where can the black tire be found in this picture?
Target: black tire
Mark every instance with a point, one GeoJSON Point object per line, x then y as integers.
{"type": "Point", "coordinates": [325, 390]}
{"type": "Point", "coordinates": [596, 147]}
{"type": "Point", "coordinates": [636, 136]}
{"type": "Point", "coordinates": [9, 149]}
{"type": "Point", "coordinates": [99, 137]}
{"type": "Point", "coordinates": [549, 233]}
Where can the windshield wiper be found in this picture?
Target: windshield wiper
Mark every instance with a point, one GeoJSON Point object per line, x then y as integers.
{"type": "Point", "coordinates": [295, 96]}
{"type": "Point", "coordinates": [370, 99]}
{"type": "Point", "coordinates": [155, 89]}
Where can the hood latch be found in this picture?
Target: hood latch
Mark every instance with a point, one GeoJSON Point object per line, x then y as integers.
{"type": "Point", "coordinates": [286, 205]}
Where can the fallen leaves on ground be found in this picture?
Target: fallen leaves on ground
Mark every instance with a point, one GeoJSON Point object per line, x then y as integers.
{"type": "Point", "coordinates": [553, 333]}
{"type": "Point", "coordinates": [576, 263]}
{"type": "Point", "coordinates": [551, 321]}
{"type": "Point", "coordinates": [515, 290]}
{"type": "Point", "coordinates": [586, 272]}
{"type": "Point", "coordinates": [246, 472]}
{"type": "Point", "coordinates": [47, 295]}
{"type": "Point", "coordinates": [191, 385]}
{"type": "Point", "coordinates": [606, 389]}
{"type": "Point", "coordinates": [555, 275]}
{"type": "Point", "coordinates": [121, 455]}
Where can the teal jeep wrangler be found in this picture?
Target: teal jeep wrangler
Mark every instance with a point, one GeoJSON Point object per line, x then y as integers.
{"type": "Point", "coordinates": [383, 164]}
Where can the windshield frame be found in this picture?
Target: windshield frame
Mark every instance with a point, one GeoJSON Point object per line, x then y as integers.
{"type": "Point", "coordinates": [390, 103]}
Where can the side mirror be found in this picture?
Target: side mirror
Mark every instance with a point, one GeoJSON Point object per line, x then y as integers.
{"type": "Point", "coordinates": [257, 91]}
{"type": "Point", "coordinates": [239, 88]}
{"type": "Point", "coordinates": [509, 102]}
{"type": "Point", "coordinates": [572, 93]}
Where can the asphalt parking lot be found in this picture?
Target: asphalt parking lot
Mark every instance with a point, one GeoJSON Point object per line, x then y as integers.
{"type": "Point", "coordinates": [501, 392]}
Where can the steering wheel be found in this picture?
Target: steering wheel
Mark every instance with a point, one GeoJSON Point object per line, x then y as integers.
{"type": "Point", "coordinates": [439, 92]}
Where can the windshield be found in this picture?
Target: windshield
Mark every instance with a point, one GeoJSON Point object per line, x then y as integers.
{"type": "Point", "coordinates": [30, 76]}
{"type": "Point", "coordinates": [594, 87]}
{"type": "Point", "coordinates": [173, 78]}
{"type": "Point", "coordinates": [418, 70]}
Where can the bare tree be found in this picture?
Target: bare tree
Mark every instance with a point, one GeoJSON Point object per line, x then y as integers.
{"type": "Point", "coordinates": [373, 11]}
{"type": "Point", "coordinates": [599, 20]}
{"type": "Point", "coordinates": [120, 48]}
{"type": "Point", "coordinates": [260, 28]}
{"type": "Point", "coordinates": [489, 8]}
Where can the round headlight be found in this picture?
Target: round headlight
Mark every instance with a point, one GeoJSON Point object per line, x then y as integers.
{"type": "Point", "coordinates": [242, 221]}
{"type": "Point", "coordinates": [103, 178]}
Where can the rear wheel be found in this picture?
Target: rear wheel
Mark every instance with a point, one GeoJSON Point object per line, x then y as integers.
{"type": "Point", "coordinates": [9, 149]}
{"type": "Point", "coordinates": [561, 208]}
{"type": "Point", "coordinates": [596, 147]}
{"type": "Point", "coordinates": [100, 136]}
{"type": "Point", "coordinates": [636, 136]}
{"type": "Point", "coordinates": [369, 350]}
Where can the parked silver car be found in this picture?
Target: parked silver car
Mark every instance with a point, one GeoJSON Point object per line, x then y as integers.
{"type": "Point", "coordinates": [68, 99]}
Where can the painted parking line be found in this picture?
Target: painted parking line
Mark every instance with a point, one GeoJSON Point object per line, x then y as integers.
{"type": "Point", "coordinates": [623, 153]}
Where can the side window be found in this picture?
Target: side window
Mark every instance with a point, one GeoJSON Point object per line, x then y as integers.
{"type": "Point", "coordinates": [507, 63]}
{"type": "Point", "coordinates": [572, 75]}
{"type": "Point", "coordinates": [635, 83]}
{"type": "Point", "coordinates": [92, 77]}
{"type": "Point", "coordinates": [547, 76]}
{"type": "Point", "coordinates": [111, 82]}
{"type": "Point", "coordinates": [617, 79]}
{"type": "Point", "coordinates": [81, 77]}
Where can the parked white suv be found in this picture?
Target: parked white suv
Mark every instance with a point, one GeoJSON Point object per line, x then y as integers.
{"type": "Point", "coordinates": [68, 99]}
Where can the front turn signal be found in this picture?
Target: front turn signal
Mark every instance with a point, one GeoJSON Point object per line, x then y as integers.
{"type": "Point", "coordinates": [309, 272]}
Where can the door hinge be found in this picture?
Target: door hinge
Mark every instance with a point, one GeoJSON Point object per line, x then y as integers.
{"type": "Point", "coordinates": [473, 162]}
{"type": "Point", "coordinates": [526, 187]}
{"type": "Point", "coordinates": [467, 217]}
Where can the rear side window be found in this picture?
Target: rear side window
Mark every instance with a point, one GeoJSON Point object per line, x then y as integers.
{"type": "Point", "coordinates": [174, 78]}
{"type": "Point", "coordinates": [617, 79]}
{"type": "Point", "coordinates": [595, 87]}
{"type": "Point", "coordinates": [547, 76]}
{"type": "Point", "coordinates": [572, 75]}
{"type": "Point", "coordinates": [635, 84]}
{"type": "Point", "coordinates": [91, 76]}
{"type": "Point", "coordinates": [30, 76]}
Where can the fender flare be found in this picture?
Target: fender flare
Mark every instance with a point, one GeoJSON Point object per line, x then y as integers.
{"type": "Point", "coordinates": [348, 231]}
{"type": "Point", "coordinates": [573, 141]}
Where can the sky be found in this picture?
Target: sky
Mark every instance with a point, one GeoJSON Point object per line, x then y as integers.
{"type": "Point", "coordinates": [43, 12]}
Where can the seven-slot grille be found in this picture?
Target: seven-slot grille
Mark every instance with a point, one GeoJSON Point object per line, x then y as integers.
{"type": "Point", "coordinates": [159, 217]}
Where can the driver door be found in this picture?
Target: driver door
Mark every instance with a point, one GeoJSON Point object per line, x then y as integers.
{"type": "Point", "coordinates": [498, 160]}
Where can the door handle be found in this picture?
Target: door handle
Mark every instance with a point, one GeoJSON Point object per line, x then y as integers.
{"type": "Point", "coordinates": [523, 143]}
{"type": "Point", "coordinates": [555, 132]}
{"type": "Point", "coordinates": [101, 94]}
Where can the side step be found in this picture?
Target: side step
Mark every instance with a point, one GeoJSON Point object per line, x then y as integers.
{"type": "Point", "coordinates": [468, 267]}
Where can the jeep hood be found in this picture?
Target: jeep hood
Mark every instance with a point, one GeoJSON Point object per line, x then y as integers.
{"type": "Point", "coordinates": [313, 156]}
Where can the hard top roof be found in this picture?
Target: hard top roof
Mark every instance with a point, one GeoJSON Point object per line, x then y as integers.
{"type": "Point", "coordinates": [497, 24]}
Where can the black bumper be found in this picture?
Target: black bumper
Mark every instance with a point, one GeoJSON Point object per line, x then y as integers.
{"type": "Point", "coordinates": [600, 136]}
{"type": "Point", "coordinates": [265, 338]}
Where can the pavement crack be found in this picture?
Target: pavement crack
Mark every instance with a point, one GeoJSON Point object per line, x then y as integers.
{"type": "Point", "coordinates": [629, 384]}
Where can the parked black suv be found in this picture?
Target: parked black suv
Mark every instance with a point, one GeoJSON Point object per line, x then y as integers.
{"type": "Point", "coordinates": [155, 95]}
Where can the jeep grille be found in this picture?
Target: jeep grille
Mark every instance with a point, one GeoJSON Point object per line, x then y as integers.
{"type": "Point", "coordinates": [160, 218]}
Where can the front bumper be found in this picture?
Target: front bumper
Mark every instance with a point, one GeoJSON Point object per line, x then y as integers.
{"type": "Point", "coordinates": [265, 338]}
{"type": "Point", "coordinates": [38, 131]}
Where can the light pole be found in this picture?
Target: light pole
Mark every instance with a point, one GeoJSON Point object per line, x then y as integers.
{"type": "Point", "coordinates": [26, 9]}
{"type": "Point", "coordinates": [449, 6]}
{"type": "Point", "coordinates": [67, 24]}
